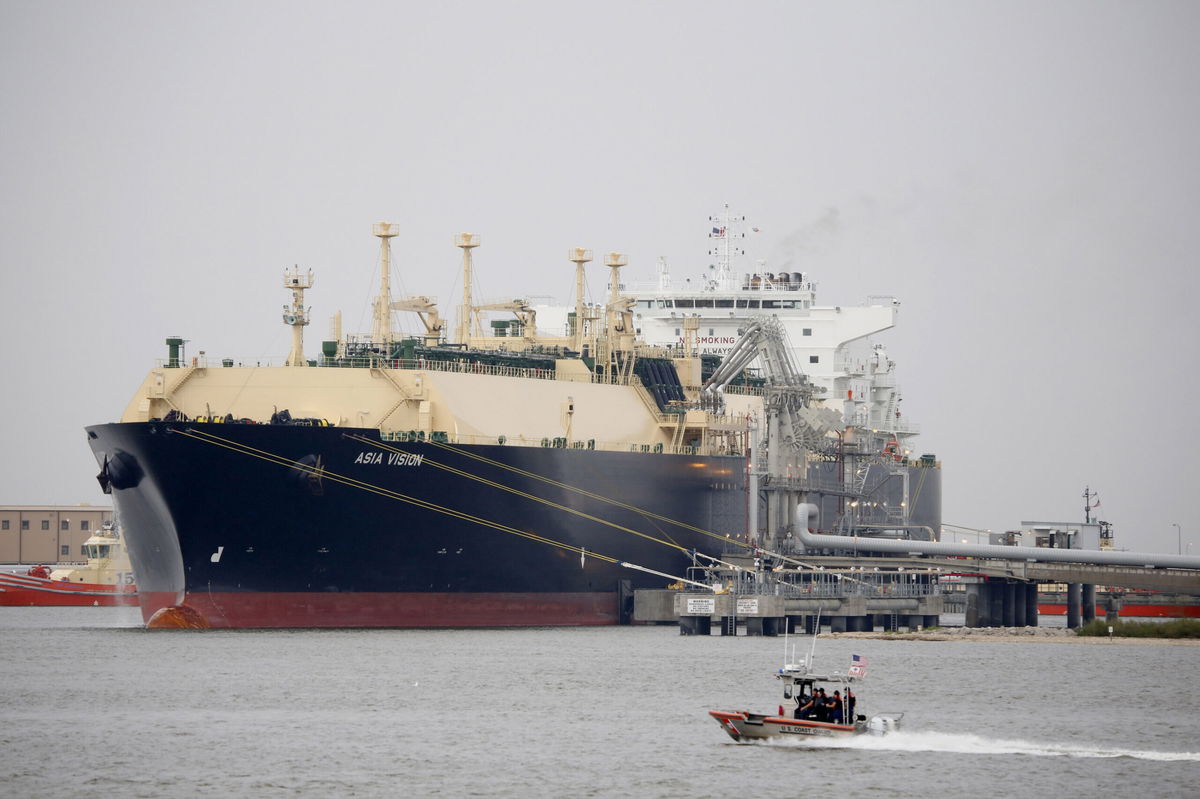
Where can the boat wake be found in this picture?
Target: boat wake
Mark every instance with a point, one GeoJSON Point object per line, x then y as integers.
{"type": "Point", "coordinates": [959, 743]}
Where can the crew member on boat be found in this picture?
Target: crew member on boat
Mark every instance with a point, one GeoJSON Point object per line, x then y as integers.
{"type": "Point", "coordinates": [835, 708]}
{"type": "Point", "coordinates": [819, 707]}
{"type": "Point", "coordinates": [804, 705]}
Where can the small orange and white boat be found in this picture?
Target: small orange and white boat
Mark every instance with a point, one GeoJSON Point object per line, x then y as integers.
{"type": "Point", "coordinates": [107, 579]}
{"type": "Point", "coordinates": [807, 712]}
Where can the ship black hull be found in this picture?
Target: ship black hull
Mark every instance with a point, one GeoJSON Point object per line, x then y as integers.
{"type": "Point", "coordinates": [291, 526]}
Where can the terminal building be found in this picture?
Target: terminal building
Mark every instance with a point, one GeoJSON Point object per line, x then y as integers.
{"type": "Point", "coordinates": [1058, 535]}
{"type": "Point", "coordinates": [48, 533]}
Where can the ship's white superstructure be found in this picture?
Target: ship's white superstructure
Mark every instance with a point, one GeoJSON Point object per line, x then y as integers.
{"type": "Point", "coordinates": [831, 344]}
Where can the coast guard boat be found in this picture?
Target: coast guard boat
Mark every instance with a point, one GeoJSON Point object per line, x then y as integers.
{"type": "Point", "coordinates": [800, 719]}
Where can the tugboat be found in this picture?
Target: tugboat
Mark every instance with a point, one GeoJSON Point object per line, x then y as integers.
{"type": "Point", "coordinates": [814, 706]}
{"type": "Point", "coordinates": [106, 581]}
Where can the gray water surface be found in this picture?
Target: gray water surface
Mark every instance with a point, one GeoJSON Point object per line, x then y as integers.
{"type": "Point", "coordinates": [91, 704]}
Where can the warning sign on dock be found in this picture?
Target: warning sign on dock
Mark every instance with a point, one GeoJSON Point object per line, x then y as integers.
{"type": "Point", "coordinates": [747, 606]}
{"type": "Point", "coordinates": [701, 605]}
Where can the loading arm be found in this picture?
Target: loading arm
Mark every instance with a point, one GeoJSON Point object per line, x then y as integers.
{"type": "Point", "coordinates": [788, 394]}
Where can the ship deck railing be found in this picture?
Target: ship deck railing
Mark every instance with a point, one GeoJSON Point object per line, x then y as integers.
{"type": "Point", "coordinates": [816, 585]}
{"type": "Point", "coordinates": [645, 290]}
{"type": "Point", "coordinates": [459, 366]}
{"type": "Point", "coordinates": [878, 425]}
{"type": "Point", "coordinates": [559, 442]}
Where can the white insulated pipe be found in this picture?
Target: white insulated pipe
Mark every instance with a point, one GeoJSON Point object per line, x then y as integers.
{"type": "Point", "coordinates": [805, 512]}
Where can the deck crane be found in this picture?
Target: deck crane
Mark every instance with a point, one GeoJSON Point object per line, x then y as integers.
{"type": "Point", "coordinates": [794, 425]}
{"type": "Point", "coordinates": [426, 309]}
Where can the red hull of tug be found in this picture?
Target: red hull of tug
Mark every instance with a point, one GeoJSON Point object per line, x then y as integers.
{"type": "Point", "coordinates": [23, 590]}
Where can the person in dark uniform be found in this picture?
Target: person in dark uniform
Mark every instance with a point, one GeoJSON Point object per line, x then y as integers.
{"type": "Point", "coordinates": [851, 701]}
{"type": "Point", "coordinates": [804, 706]}
{"type": "Point", "coordinates": [819, 709]}
{"type": "Point", "coordinates": [801, 700]}
{"type": "Point", "coordinates": [835, 708]}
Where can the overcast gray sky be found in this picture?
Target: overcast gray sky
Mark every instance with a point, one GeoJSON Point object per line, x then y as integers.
{"type": "Point", "coordinates": [1022, 175]}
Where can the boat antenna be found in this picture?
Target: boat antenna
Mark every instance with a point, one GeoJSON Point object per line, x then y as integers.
{"type": "Point", "coordinates": [785, 643]}
{"type": "Point", "coordinates": [816, 631]}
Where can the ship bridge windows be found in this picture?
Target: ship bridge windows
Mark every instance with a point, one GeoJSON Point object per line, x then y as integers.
{"type": "Point", "coordinates": [685, 303]}
{"type": "Point", "coordinates": [666, 303]}
{"type": "Point", "coordinates": [724, 303]}
{"type": "Point", "coordinates": [747, 303]}
{"type": "Point", "coordinates": [770, 303]}
{"type": "Point", "coordinates": [704, 303]}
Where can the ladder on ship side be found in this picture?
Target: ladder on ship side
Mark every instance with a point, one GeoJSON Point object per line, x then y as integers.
{"type": "Point", "coordinates": [680, 428]}
{"type": "Point", "coordinates": [396, 385]}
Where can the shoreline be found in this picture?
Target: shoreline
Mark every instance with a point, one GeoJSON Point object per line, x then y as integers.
{"type": "Point", "coordinates": [1021, 635]}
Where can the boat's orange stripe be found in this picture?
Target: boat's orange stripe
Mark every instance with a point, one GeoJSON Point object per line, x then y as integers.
{"type": "Point", "coordinates": [819, 725]}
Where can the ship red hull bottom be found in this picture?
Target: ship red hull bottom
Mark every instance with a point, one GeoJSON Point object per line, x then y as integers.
{"type": "Point", "coordinates": [309, 610]}
{"type": "Point", "coordinates": [1133, 611]}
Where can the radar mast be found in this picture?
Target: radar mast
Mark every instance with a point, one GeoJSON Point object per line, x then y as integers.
{"type": "Point", "coordinates": [296, 315]}
{"type": "Point", "coordinates": [381, 326]}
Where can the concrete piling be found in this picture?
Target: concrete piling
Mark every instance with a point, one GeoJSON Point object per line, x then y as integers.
{"type": "Point", "coordinates": [996, 604]}
{"type": "Point", "coordinates": [1010, 604]}
{"type": "Point", "coordinates": [1074, 604]}
{"type": "Point", "coordinates": [1031, 605]}
{"type": "Point", "coordinates": [1089, 603]}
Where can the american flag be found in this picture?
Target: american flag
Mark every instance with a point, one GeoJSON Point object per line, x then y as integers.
{"type": "Point", "coordinates": [858, 666]}
{"type": "Point", "coordinates": [718, 232]}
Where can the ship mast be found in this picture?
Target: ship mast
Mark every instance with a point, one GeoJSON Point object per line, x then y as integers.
{"type": "Point", "coordinates": [722, 229]}
{"type": "Point", "coordinates": [468, 242]}
{"type": "Point", "coordinates": [381, 324]}
{"type": "Point", "coordinates": [296, 315]}
{"type": "Point", "coordinates": [615, 327]}
{"type": "Point", "coordinates": [579, 256]}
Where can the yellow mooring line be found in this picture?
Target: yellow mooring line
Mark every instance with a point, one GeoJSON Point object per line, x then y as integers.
{"type": "Point", "coordinates": [598, 497]}
{"type": "Point", "coordinates": [244, 449]}
{"type": "Point", "coordinates": [526, 495]}
{"type": "Point", "coordinates": [577, 490]}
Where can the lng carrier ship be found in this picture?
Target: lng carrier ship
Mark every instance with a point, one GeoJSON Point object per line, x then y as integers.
{"type": "Point", "coordinates": [507, 479]}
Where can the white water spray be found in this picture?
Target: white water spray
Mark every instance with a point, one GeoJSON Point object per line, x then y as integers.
{"type": "Point", "coordinates": [967, 744]}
